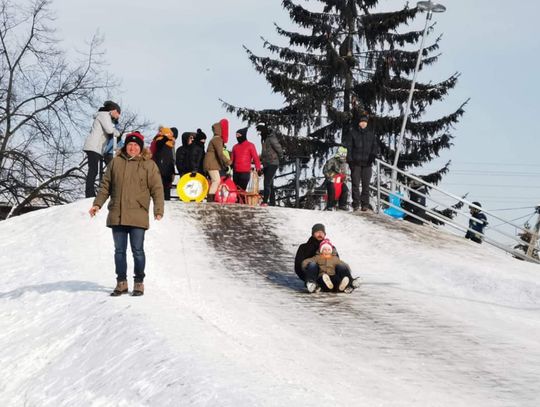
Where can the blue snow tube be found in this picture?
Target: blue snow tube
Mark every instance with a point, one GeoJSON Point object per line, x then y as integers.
{"type": "Point", "coordinates": [395, 199]}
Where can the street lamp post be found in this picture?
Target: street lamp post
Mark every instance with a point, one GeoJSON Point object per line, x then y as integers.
{"type": "Point", "coordinates": [431, 8]}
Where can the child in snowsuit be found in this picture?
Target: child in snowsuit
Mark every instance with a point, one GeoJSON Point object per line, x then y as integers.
{"type": "Point", "coordinates": [328, 267]}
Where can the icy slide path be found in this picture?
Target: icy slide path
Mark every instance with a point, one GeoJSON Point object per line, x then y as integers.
{"type": "Point", "coordinates": [225, 322]}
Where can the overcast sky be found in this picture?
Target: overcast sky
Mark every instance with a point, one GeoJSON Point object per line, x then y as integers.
{"type": "Point", "coordinates": [176, 58]}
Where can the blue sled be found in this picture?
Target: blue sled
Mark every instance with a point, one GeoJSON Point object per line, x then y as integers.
{"type": "Point", "coordinates": [395, 199]}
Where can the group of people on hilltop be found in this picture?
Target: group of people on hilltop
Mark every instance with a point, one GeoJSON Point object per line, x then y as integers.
{"type": "Point", "coordinates": [191, 157]}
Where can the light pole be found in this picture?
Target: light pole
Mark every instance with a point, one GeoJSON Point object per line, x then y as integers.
{"type": "Point", "coordinates": [431, 8]}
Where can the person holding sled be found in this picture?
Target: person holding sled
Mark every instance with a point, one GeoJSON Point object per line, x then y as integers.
{"type": "Point", "coordinates": [477, 224]}
{"type": "Point", "coordinates": [334, 170]}
{"type": "Point", "coordinates": [131, 180]}
{"type": "Point", "coordinates": [243, 155]}
{"type": "Point", "coordinates": [214, 160]}
{"type": "Point", "coordinates": [103, 129]}
{"type": "Point", "coordinates": [309, 273]}
{"type": "Point", "coordinates": [271, 154]}
{"type": "Point", "coordinates": [163, 145]}
{"type": "Point", "coordinates": [328, 269]}
{"type": "Point", "coordinates": [362, 149]}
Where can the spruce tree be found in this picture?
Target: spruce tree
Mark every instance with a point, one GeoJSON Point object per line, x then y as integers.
{"type": "Point", "coordinates": [344, 58]}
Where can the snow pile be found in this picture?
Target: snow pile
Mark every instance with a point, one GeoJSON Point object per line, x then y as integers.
{"type": "Point", "coordinates": [438, 321]}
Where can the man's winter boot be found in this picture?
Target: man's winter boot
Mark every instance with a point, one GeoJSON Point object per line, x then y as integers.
{"type": "Point", "coordinates": [121, 288]}
{"type": "Point", "coordinates": [138, 290]}
{"type": "Point", "coordinates": [311, 286]}
{"type": "Point", "coordinates": [327, 281]}
{"type": "Point", "coordinates": [210, 198]}
{"type": "Point", "coordinates": [344, 283]}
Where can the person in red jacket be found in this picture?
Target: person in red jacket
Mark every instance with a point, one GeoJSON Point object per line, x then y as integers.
{"type": "Point", "coordinates": [243, 154]}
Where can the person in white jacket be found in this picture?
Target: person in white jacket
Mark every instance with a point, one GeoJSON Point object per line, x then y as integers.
{"type": "Point", "coordinates": [102, 129]}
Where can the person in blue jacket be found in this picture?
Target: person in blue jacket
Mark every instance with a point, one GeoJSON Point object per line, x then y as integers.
{"type": "Point", "coordinates": [477, 224]}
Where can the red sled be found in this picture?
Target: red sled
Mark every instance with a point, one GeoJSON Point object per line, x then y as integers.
{"type": "Point", "coordinates": [338, 181]}
{"type": "Point", "coordinates": [227, 191]}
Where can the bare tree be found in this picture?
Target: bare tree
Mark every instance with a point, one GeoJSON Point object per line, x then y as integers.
{"type": "Point", "coordinates": [45, 104]}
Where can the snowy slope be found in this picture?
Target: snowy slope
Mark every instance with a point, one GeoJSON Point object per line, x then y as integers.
{"type": "Point", "coordinates": [438, 321]}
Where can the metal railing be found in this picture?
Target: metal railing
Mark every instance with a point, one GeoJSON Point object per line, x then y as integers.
{"type": "Point", "coordinates": [460, 222]}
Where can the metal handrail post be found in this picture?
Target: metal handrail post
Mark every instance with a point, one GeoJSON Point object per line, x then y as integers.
{"type": "Point", "coordinates": [378, 186]}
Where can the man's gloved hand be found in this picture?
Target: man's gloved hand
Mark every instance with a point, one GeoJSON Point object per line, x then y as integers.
{"type": "Point", "coordinates": [260, 173]}
{"type": "Point", "coordinates": [193, 174]}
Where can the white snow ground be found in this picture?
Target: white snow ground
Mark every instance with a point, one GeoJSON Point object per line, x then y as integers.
{"type": "Point", "coordinates": [438, 321]}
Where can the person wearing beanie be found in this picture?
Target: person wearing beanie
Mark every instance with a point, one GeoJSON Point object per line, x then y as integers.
{"type": "Point", "coordinates": [326, 269]}
{"type": "Point", "coordinates": [271, 154]}
{"type": "Point", "coordinates": [244, 154]}
{"type": "Point", "coordinates": [362, 150]}
{"type": "Point", "coordinates": [477, 223]}
{"type": "Point", "coordinates": [162, 153]}
{"type": "Point", "coordinates": [309, 274]}
{"type": "Point", "coordinates": [182, 165]}
{"type": "Point", "coordinates": [132, 179]}
{"type": "Point", "coordinates": [195, 154]}
{"type": "Point", "coordinates": [103, 128]}
{"type": "Point", "coordinates": [335, 170]}
{"type": "Point", "coordinates": [215, 159]}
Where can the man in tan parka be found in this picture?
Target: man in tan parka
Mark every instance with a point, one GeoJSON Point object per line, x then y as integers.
{"type": "Point", "coordinates": [131, 180]}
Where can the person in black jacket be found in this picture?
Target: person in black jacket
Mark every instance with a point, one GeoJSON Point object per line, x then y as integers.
{"type": "Point", "coordinates": [195, 154]}
{"type": "Point", "coordinates": [181, 153]}
{"type": "Point", "coordinates": [310, 276]}
{"type": "Point", "coordinates": [362, 149]}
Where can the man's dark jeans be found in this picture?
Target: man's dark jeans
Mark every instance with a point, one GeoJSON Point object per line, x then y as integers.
{"type": "Point", "coordinates": [269, 173]}
{"type": "Point", "coordinates": [136, 240]}
{"type": "Point", "coordinates": [360, 175]}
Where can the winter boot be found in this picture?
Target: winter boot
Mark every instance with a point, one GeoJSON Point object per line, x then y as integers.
{"type": "Point", "coordinates": [311, 286]}
{"type": "Point", "coordinates": [327, 281]}
{"type": "Point", "coordinates": [121, 288]}
{"type": "Point", "coordinates": [210, 198]}
{"type": "Point", "coordinates": [138, 290]}
{"type": "Point", "coordinates": [344, 283]}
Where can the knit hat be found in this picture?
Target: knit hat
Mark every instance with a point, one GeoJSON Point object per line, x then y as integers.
{"type": "Point", "coordinates": [318, 227]}
{"type": "Point", "coordinates": [135, 137]}
{"type": "Point", "coordinates": [364, 117]}
{"type": "Point", "coordinates": [325, 244]}
{"type": "Point", "coordinates": [174, 132]}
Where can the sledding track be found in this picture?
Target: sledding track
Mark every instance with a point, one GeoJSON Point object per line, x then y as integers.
{"type": "Point", "coordinates": [378, 324]}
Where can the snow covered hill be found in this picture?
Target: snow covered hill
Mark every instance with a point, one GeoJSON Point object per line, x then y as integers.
{"type": "Point", "coordinates": [438, 321]}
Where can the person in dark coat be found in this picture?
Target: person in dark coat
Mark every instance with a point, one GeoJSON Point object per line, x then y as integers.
{"type": "Point", "coordinates": [310, 273]}
{"type": "Point", "coordinates": [163, 156]}
{"type": "Point", "coordinates": [271, 154]}
{"type": "Point", "coordinates": [195, 154]}
{"type": "Point", "coordinates": [182, 164]}
{"type": "Point", "coordinates": [362, 149]}
{"type": "Point", "coordinates": [417, 206]}
{"type": "Point", "coordinates": [477, 224]}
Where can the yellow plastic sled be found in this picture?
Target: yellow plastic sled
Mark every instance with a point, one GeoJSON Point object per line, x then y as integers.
{"type": "Point", "coordinates": [192, 189]}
